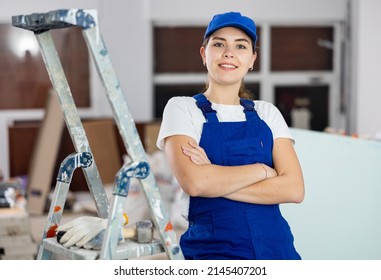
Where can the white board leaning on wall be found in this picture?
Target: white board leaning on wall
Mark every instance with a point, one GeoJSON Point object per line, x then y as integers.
{"type": "Point", "coordinates": [340, 216]}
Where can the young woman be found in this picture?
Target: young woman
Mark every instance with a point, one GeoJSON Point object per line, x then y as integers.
{"type": "Point", "coordinates": [233, 157]}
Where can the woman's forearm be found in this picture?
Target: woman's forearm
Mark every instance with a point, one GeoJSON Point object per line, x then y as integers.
{"type": "Point", "coordinates": [198, 177]}
{"type": "Point", "coordinates": [287, 187]}
{"type": "Point", "coordinates": [253, 183]}
{"type": "Point", "coordinates": [216, 181]}
{"type": "Point", "coordinates": [280, 189]}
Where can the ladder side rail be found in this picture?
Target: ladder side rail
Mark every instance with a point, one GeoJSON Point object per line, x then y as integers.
{"type": "Point", "coordinates": [72, 119]}
{"type": "Point", "coordinates": [139, 170]}
{"type": "Point", "coordinates": [131, 139]}
{"type": "Point", "coordinates": [114, 228]}
{"type": "Point", "coordinates": [61, 190]}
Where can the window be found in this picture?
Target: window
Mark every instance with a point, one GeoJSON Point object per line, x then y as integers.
{"type": "Point", "coordinates": [303, 107]}
{"type": "Point", "coordinates": [178, 67]}
{"type": "Point", "coordinates": [297, 70]}
{"type": "Point", "coordinates": [301, 48]}
{"type": "Point", "coordinates": [24, 81]}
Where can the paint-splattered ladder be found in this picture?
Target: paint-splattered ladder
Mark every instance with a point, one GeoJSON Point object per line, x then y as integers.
{"type": "Point", "coordinates": [41, 24]}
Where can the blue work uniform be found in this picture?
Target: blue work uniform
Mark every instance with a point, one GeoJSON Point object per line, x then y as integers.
{"type": "Point", "coordinates": [220, 228]}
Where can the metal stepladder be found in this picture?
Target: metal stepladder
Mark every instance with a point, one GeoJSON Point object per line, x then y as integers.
{"type": "Point", "coordinates": [41, 24]}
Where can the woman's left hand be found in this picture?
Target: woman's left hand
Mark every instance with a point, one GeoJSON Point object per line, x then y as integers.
{"type": "Point", "coordinates": [195, 153]}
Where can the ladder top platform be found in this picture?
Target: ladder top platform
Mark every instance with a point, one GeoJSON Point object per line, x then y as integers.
{"type": "Point", "coordinates": [40, 22]}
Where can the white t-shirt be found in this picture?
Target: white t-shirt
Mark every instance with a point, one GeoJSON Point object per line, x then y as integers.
{"type": "Point", "coordinates": [182, 117]}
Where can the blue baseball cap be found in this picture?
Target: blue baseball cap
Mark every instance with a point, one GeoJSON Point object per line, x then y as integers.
{"type": "Point", "coordinates": [232, 19]}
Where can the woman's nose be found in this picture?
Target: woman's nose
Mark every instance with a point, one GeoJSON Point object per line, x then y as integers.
{"type": "Point", "coordinates": [228, 53]}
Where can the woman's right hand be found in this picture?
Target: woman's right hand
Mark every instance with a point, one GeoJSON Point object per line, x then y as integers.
{"type": "Point", "coordinates": [195, 153]}
{"type": "Point", "coordinates": [269, 172]}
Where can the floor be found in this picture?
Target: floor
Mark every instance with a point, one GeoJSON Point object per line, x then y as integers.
{"type": "Point", "coordinates": [82, 204]}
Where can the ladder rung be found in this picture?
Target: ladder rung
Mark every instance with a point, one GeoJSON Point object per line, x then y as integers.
{"type": "Point", "coordinates": [124, 251]}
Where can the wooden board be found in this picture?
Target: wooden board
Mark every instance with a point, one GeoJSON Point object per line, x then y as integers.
{"type": "Point", "coordinates": [104, 146]}
{"type": "Point", "coordinates": [44, 156]}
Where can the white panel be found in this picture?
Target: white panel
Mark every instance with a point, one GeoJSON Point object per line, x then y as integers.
{"type": "Point", "coordinates": [340, 216]}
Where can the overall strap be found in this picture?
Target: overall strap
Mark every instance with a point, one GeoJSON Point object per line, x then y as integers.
{"type": "Point", "coordinates": [249, 110]}
{"type": "Point", "coordinates": [206, 107]}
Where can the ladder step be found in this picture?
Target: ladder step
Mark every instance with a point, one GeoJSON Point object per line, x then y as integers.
{"type": "Point", "coordinates": [124, 251]}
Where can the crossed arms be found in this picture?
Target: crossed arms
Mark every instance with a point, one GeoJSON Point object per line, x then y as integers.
{"type": "Point", "coordinates": [252, 183]}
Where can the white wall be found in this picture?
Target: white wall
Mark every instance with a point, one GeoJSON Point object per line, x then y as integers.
{"type": "Point", "coordinates": [261, 10]}
{"type": "Point", "coordinates": [126, 29]}
{"type": "Point", "coordinates": [366, 73]}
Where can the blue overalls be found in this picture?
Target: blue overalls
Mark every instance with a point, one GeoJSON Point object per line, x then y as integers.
{"type": "Point", "coordinates": [220, 228]}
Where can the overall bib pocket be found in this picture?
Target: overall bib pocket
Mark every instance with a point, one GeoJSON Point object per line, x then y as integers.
{"type": "Point", "coordinates": [241, 152]}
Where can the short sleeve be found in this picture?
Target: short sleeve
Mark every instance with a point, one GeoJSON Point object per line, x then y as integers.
{"type": "Point", "coordinates": [271, 115]}
{"type": "Point", "coordinates": [179, 119]}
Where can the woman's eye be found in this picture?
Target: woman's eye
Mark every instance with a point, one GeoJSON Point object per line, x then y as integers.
{"type": "Point", "coordinates": [241, 47]}
{"type": "Point", "coordinates": [218, 45]}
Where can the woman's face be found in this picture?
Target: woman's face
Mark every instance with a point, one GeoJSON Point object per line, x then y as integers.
{"type": "Point", "coordinates": [228, 56]}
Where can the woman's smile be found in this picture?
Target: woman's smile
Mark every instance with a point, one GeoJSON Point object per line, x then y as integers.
{"type": "Point", "coordinates": [227, 66]}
